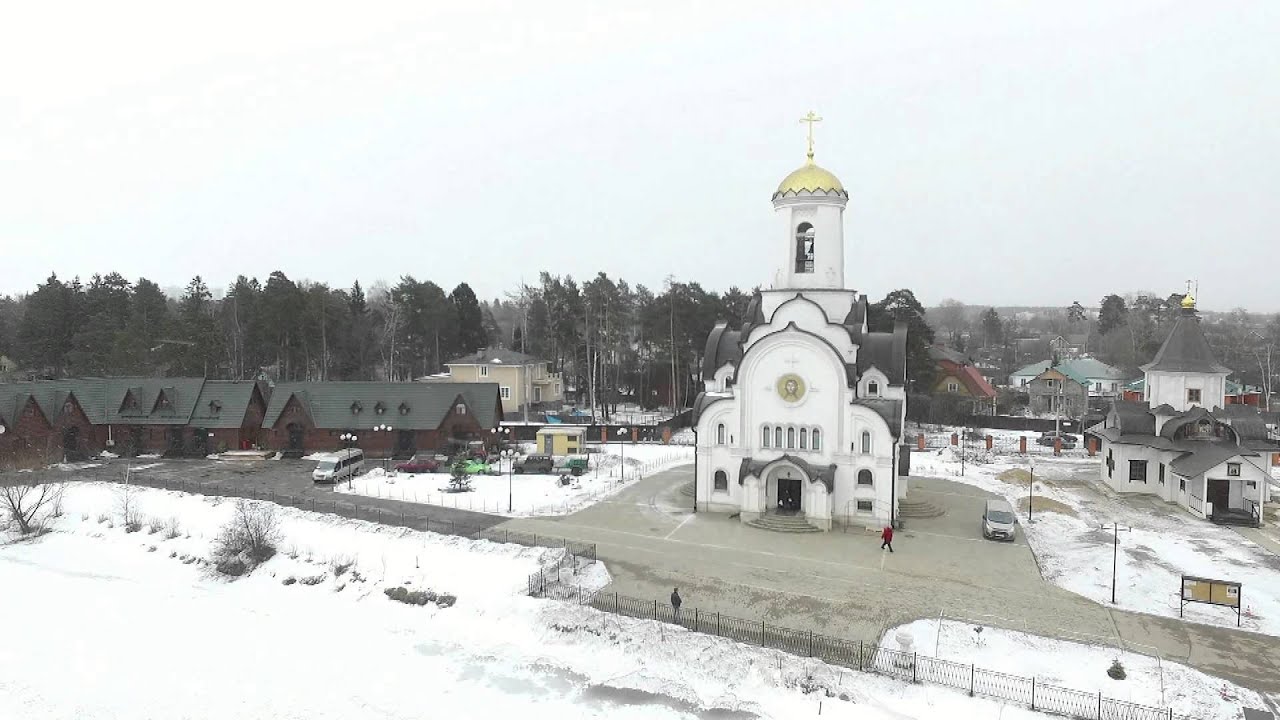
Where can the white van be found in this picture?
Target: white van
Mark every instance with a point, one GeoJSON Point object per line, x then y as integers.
{"type": "Point", "coordinates": [339, 466]}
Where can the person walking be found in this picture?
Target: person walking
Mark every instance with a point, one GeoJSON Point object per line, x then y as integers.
{"type": "Point", "coordinates": [675, 602]}
{"type": "Point", "coordinates": [886, 537]}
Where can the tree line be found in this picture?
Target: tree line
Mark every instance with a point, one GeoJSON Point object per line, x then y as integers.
{"type": "Point", "coordinates": [613, 341]}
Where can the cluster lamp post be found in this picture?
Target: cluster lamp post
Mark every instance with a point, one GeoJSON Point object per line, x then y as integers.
{"type": "Point", "coordinates": [386, 429]}
{"type": "Point", "coordinates": [622, 449]}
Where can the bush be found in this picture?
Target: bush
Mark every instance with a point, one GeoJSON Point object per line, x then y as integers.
{"type": "Point", "coordinates": [290, 580]}
{"type": "Point", "coordinates": [419, 597]}
{"type": "Point", "coordinates": [253, 531]}
{"type": "Point", "coordinates": [313, 580]}
{"type": "Point", "coordinates": [173, 528]}
{"type": "Point", "coordinates": [233, 566]}
{"type": "Point", "coordinates": [446, 600]}
{"type": "Point", "coordinates": [1116, 671]}
{"type": "Point", "coordinates": [341, 564]}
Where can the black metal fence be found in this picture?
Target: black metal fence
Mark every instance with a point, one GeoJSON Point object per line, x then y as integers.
{"type": "Point", "coordinates": [868, 657]}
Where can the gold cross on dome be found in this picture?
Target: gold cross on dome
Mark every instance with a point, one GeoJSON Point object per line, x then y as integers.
{"type": "Point", "coordinates": [811, 118]}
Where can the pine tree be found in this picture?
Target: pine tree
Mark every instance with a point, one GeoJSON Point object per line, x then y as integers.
{"type": "Point", "coordinates": [472, 335]}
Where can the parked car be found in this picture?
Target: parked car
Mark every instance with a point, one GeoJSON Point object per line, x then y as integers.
{"type": "Point", "coordinates": [999, 521]}
{"type": "Point", "coordinates": [542, 464]}
{"type": "Point", "coordinates": [1068, 440]}
{"type": "Point", "coordinates": [477, 467]}
{"type": "Point", "coordinates": [576, 464]}
{"type": "Point", "coordinates": [339, 466]}
{"type": "Point", "coordinates": [419, 464]}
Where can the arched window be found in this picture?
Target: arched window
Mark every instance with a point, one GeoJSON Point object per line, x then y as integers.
{"type": "Point", "coordinates": [873, 389]}
{"type": "Point", "coordinates": [865, 478]}
{"type": "Point", "coordinates": [777, 437]}
{"type": "Point", "coordinates": [817, 439]}
{"type": "Point", "coordinates": [791, 438]}
{"type": "Point", "coordinates": [720, 434]}
{"type": "Point", "coordinates": [764, 436]}
{"type": "Point", "coordinates": [804, 248]}
{"type": "Point", "coordinates": [722, 480]}
{"type": "Point", "coordinates": [804, 438]}
{"type": "Point", "coordinates": [866, 442]}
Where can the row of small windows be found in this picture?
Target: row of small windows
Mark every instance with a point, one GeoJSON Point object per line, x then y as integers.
{"type": "Point", "coordinates": [786, 438]}
{"type": "Point", "coordinates": [865, 478]}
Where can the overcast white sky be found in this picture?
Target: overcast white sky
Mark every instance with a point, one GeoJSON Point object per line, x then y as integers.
{"type": "Point", "coordinates": [995, 152]}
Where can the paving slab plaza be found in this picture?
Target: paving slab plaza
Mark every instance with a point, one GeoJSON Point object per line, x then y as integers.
{"type": "Point", "coordinates": [841, 583]}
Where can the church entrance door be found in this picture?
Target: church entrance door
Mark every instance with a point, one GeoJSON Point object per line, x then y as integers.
{"type": "Point", "coordinates": [788, 496]}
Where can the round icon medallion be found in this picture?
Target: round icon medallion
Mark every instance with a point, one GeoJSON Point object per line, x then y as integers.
{"type": "Point", "coordinates": [791, 387]}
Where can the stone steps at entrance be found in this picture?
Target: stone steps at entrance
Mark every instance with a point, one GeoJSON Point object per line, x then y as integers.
{"type": "Point", "coordinates": [783, 523]}
{"type": "Point", "coordinates": [916, 508]}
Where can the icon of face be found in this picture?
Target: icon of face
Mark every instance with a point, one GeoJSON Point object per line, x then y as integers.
{"type": "Point", "coordinates": [791, 389]}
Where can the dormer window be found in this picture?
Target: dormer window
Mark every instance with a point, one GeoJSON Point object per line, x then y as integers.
{"type": "Point", "coordinates": [380, 407]}
{"type": "Point", "coordinates": [215, 407]}
{"type": "Point", "coordinates": [404, 408]}
{"type": "Point", "coordinates": [873, 389]}
{"type": "Point", "coordinates": [804, 248]}
{"type": "Point", "coordinates": [357, 407]}
{"type": "Point", "coordinates": [460, 409]}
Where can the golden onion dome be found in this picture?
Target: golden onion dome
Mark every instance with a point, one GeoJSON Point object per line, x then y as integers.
{"type": "Point", "coordinates": [810, 178]}
{"type": "Point", "coordinates": [1188, 302]}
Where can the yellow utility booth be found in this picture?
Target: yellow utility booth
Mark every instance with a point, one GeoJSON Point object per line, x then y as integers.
{"type": "Point", "coordinates": [560, 441]}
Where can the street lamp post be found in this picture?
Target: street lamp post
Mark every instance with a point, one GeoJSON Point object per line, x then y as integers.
{"type": "Point", "coordinates": [1031, 487]}
{"type": "Point", "coordinates": [622, 450]}
{"type": "Point", "coordinates": [1115, 554]}
{"type": "Point", "coordinates": [348, 441]}
{"type": "Point", "coordinates": [384, 428]}
{"type": "Point", "coordinates": [509, 454]}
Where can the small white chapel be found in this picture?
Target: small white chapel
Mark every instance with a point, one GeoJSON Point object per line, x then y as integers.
{"type": "Point", "coordinates": [802, 407]}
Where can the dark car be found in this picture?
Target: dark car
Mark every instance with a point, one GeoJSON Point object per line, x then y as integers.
{"type": "Point", "coordinates": [535, 464]}
{"type": "Point", "coordinates": [419, 464]}
{"type": "Point", "coordinates": [1068, 440]}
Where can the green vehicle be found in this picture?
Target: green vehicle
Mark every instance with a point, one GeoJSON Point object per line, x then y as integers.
{"type": "Point", "coordinates": [476, 467]}
{"type": "Point", "coordinates": [576, 465]}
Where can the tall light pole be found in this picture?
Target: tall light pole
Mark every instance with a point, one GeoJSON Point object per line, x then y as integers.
{"type": "Point", "coordinates": [1115, 554]}
{"type": "Point", "coordinates": [1031, 488]}
{"type": "Point", "coordinates": [386, 429]}
{"type": "Point", "coordinates": [622, 449]}
{"type": "Point", "coordinates": [509, 454]}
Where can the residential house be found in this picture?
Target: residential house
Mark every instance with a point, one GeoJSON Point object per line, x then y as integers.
{"type": "Point", "coordinates": [958, 375]}
{"type": "Point", "coordinates": [1100, 379]}
{"type": "Point", "coordinates": [1054, 392]}
{"type": "Point", "coordinates": [387, 418]}
{"type": "Point", "coordinates": [1183, 443]}
{"type": "Point", "coordinates": [524, 382]}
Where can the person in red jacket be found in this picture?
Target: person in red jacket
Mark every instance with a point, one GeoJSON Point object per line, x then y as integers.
{"type": "Point", "coordinates": [886, 536]}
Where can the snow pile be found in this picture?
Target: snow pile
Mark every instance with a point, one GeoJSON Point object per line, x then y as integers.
{"type": "Point", "coordinates": [1078, 666]}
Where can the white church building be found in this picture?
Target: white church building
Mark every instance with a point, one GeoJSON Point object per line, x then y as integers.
{"type": "Point", "coordinates": [1183, 443]}
{"type": "Point", "coordinates": [802, 407]}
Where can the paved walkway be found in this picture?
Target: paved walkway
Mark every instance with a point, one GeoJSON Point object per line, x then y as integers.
{"type": "Point", "coordinates": [841, 583]}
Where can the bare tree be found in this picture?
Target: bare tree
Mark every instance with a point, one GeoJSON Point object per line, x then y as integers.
{"type": "Point", "coordinates": [128, 506]}
{"type": "Point", "coordinates": [252, 534]}
{"type": "Point", "coordinates": [30, 506]}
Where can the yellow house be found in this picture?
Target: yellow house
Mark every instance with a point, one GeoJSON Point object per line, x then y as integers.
{"type": "Point", "coordinates": [563, 440]}
{"type": "Point", "coordinates": [522, 380]}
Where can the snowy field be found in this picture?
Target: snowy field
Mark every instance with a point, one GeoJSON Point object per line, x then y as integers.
{"type": "Point", "coordinates": [1164, 543]}
{"type": "Point", "coordinates": [1078, 666]}
{"type": "Point", "coordinates": [115, 624]}
{"type": "Point", "coordinates": [531, 494]}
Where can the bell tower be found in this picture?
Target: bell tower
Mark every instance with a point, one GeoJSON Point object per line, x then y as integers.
{"type": "Point", "coordinates": [809, 205]}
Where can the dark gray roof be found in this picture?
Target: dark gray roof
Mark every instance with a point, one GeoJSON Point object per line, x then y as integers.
{"type": "Point", "coordinates": [222, 404]}
{"type": "Point", "coordinates": [1186, 349]}
{"type": "Point", "coordinates": [1173, 425]}
{"type": "Point", "coordinates": [405, 405]}
{"type": "Point", "coordinates": [1134, 418]}
{"type": "Point", "coordinates": [1201, 456]}
{"type": "Point", "coordinates": [887, 352]}
{"type": "Point", "coordinates": [1164, 409]}
{"type": "Point", "coordinates": [890, 410]}
{"type": "Point", "coordinates": [723, 346]}
{"type": "Point", "coordinates": [495, 356]}
{"type": "Point", "coordinates": [825, 474]}
{"type": "Point", "coordinates": [857, 313]}
{"type": "Point", "coordinates": [103, 399]}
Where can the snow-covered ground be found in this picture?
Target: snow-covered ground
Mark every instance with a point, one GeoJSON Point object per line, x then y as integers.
{"type": "Point", "coordinates": [111, 624]}
{"type": "Point", "coordinates": [1162, 543]}
{"type": "Point", "coordinates": [1078, 666]}
{"type": "Point", "coordinates": [612, 467]}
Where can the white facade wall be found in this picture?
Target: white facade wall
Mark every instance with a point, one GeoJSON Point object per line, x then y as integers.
{"type": "Point", "coordinates": [1171, 388]}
